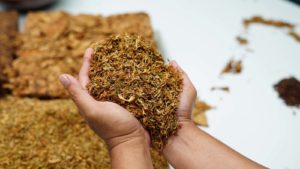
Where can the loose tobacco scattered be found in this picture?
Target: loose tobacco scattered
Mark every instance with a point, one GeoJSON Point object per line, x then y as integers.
{"type": "Point", "coordinates": [233, 66]}
{"type": "Point", "coordinates": [128, 70]}
{"type": "Point", "coordinates": [273, 23]}
{"type": "Point", "coordinates": [199, 112]}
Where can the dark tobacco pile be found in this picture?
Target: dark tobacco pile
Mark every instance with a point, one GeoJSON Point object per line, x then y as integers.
{"type": "Point", "coordinates": [128, 70]}
{"type": "Point", "coordinates": [289, 90]}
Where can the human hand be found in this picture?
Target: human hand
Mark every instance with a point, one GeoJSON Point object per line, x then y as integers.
{"type": "Point", "coordinates": [114, 124]}
{"type": "Point", "coordinates": [187, 97]}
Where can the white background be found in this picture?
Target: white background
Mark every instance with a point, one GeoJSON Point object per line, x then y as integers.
{"type": "Point", "coordinates": [200, 36]}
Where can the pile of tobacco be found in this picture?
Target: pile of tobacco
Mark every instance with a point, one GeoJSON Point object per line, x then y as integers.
{"type": "Point", "coordinates": [51, 134]}
{"type": "Point", "coordinates": [128, 70]}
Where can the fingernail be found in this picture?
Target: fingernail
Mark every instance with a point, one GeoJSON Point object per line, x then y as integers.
{"type": "Point", "coordinates": [64, 80]}
{"type": "Point", "coordinates": [174, 63]}
{"type": "Point", "coordinates": [89, 50]}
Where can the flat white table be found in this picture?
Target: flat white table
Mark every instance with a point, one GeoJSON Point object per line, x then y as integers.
{"type": "Point", "coordinates": [200, 36]}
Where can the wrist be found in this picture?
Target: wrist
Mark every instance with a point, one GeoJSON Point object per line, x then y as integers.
{"type": "Point", "coordinates": [137, 137]}
{"type": "Point", "coordinates": [133, 153]}
{"type": "Point", "coordinates": [182, 134]}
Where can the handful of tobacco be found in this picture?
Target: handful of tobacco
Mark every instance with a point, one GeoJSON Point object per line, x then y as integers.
{"type": "Point", "coordinates": [128, 70]}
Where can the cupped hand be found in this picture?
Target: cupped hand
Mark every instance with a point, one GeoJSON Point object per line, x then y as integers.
{"type": "Point", "coordinates": [114, 124]}
{"type": "Point", "coordinates": [187, 97]}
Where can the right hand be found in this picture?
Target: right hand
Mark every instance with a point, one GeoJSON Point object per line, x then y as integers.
{"type": "Point", "coordinates": [187, 98]}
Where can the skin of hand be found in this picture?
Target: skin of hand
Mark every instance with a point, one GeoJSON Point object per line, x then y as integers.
{"type": "Point", "coordinates": [127, 140]}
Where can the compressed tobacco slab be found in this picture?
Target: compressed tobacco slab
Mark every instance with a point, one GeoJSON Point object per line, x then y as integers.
{"type": "Point", "coordinates": [53, 43]}
{"type": "Point", "coordinates": [8, 31]}
{"type": "Point", "coordinates": [51, 134]}
{"type": "Point", "coordinates": [128, 70]}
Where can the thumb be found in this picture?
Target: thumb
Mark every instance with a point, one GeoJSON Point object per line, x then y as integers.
{"type": "Point", "coordinates": [78, 94]}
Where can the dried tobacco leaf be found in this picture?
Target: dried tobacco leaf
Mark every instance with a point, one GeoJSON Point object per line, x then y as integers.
{"type": "Point", "coordinates": [289, 90]}
{"type": "Point", "coordinates": [233, 66]}
{"type": "Point", "coordinates": [51, 134]}
{"type": "Point", "coordinates": [127, 70]}
{"type": "Point", "coordinates": [199, 112]}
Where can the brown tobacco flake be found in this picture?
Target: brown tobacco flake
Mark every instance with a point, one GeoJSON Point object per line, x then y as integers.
{"type": "Point", "coordinates": [51, 134]}
{"type": "Point", "coordinates": [127, 70]}
{"type": "Point", "coordinates": [199, 112]}
{"type": "Point", "coordinates": [224, 88]}
{"type": "Point", "coordinates": [233, 66]}
{"type": "Point", "coordinates": [295, 35]}
{"type": "Point", "coordinates": [269, 22]}
{"type": "Point", "coordinates": [289, 90]}
{"type": "Point", "coordinates": [241, 40]}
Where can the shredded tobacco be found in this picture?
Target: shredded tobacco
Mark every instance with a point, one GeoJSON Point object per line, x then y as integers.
{"type": "Point", "coordinates": [269, 22]}
{"type": "Point", "coordinates": [51, 134]}
{"type": "Point", "coordinates": [224, 88]}
{"type": "Point", "coordinates": [128, 70]}
{"type": "Point", "coordinates": [241, 40]}
{"type": "Point", "coordinates": [233, 66]}
{"type": "Point", "coordinates": [295, 35]}
{"type": "Point", "coordinates": [274, 23]}
{"type": "Point", "coordinates": [289, 90]}
{"type": "Point", "coordinates": [199, 112]}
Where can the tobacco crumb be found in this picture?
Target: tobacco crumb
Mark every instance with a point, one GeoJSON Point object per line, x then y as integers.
{"type": "Point", "coordinates": [269, 22]}
{"type": "Point", "coordinates": [224, 88]}
{"type": "Point", "coordinates": [241, 40]}
{"type": "Point", "coordinates": [289, 90]}
{"type": "Point", "coordinates": [127, 70]}
{"type": "Point", "coordinates": [51, 134]}
{"type": "Point", "coordinates": [295, 35]}
{"type": "Point", "coordinates": [199, 112]}
{"type": "Point", "coordinates": [233, 66]}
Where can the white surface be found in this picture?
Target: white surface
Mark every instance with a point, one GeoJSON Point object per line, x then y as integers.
{"type": "Point", "coordinates": [200, 35]}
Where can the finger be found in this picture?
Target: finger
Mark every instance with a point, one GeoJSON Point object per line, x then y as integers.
{"type": "Point", "coordinates": [84, 71]}
{"type": "Point", "coordinates": [188, 94]}
{"type": "Point", "coordinates": [80, 96]}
